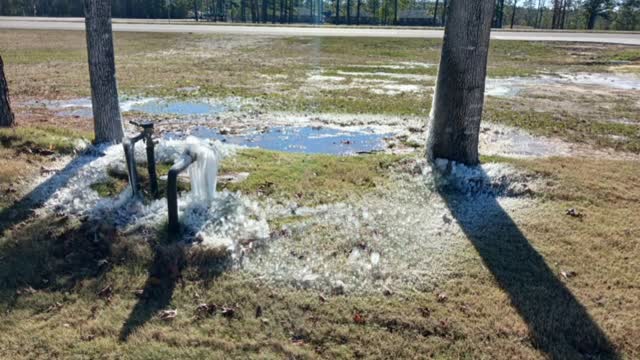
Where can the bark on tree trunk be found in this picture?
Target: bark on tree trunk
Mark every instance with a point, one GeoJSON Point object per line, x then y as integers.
{"type": "Point", "coordinates": [102, 72]}
{"type": "Point", "coordinates": [513, 14]}
{"type": "Point", "coordinates": [6, 115]}
{"type": "Point", "coordinates": [592, 16]}
{"type": "Point", "coordinates": [459, 96]}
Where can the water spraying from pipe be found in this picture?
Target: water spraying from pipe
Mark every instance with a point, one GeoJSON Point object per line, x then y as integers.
{"type": "Point", "coordinates": [203, 172]}
{"type": "Point", "coordinates": [202, 162]}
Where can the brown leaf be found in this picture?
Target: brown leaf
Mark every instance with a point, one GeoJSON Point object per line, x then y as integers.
{"type": "Point", "coordinates": [168, 314]}
{"type": "Point", "coordinates": [207, 309]}
{"type": "Point", "coordinates": [568, 274]}
{"type": "Point", "coordinates": [106, 293]}
{"type": "Point", "coordinates": [228, 312]}
{"type": "Point", "coordinates": [442, 297]}
{"type": "Point", "coordinates": [359, 319]}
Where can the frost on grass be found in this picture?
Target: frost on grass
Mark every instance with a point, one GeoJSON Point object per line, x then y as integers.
{"type": "Point", "coordinates": [401, 238]}
{"type": "Point", "coordinates": [222, 222]}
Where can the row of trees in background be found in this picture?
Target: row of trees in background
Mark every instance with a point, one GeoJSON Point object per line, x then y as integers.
{"type": "Point", "coordinates": [549, 14]}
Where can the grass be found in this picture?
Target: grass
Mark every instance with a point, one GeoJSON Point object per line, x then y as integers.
{"type": "Point", "coordinates": [590, 128]}
{"type": "Point", "coordinates": [52, 281]}
{"type": "Point", "coordinates": [74, 289]}
{"type": "Point", "coordinates": [45, 138]}
{"type": "Point", "coordinates": [308, 179]}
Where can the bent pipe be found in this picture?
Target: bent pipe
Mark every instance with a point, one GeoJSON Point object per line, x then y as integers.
{"type": "Point", "coordinates": [172, 189]}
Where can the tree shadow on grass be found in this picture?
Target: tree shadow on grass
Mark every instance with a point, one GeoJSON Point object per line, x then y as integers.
{"type": "Point", "coordinates": [23, 209]}
{"type": "Point", "coordinates": [561, 326]}
{"type": "Point", "coordinates": [165, 273]}
{"type": "Point", "coordinates": [53, 253]}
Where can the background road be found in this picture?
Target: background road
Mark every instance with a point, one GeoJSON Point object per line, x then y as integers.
{"type": "Point", "coordinates": [182, 26]}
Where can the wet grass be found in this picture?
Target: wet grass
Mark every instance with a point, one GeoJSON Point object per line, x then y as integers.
{"type": "Point", "coordinates": [589, 128]}
{"type": "Point", "coordinates": [42, 138]}
{"type": "Point", "coordinates": [308, 179]}
{"type": "Point", "coordinates": [55, 271]}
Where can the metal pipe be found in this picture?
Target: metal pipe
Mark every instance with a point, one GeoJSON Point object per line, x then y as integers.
{"type": "Point", "coordinates": [129, 148]}
{"type": "Point", "coordinates": [151, 166]}
{"type": "Point", "coordinates": [172, 189]}
{"type": "Point", "coordinates": [130, 157]}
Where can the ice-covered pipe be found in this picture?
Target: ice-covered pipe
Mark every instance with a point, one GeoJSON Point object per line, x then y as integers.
{"type": "Point", "coordinates": [130, 157]}
{"type": "Point", "coordinates": [172, 188]}
{"type": "Point", "coordinates": [129, 152]}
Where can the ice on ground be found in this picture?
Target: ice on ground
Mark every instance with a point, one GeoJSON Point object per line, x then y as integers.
{"type": "Point", "coordinates": [395, 89]}
{"type": "Point", "coordinates": [403, 238]}
{"type": "Point", "coordinates": [321, 78]}
{"type": "Point", "coordinates": [414, 77]}
{"type": "Point", "coordinates": [513, 86]}
{"type": "Point", "coordinates": [222, 220]}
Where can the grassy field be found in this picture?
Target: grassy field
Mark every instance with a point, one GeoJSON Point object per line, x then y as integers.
{"type": "Point", "coordinates": [533, 285]}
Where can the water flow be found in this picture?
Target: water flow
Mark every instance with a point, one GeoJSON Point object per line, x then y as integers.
{"type": "Point", "coordinates": [203, 172]}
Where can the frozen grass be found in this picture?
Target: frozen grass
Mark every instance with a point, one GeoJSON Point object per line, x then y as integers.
{"type": "Point", "coordinates": [399, 237]}
{"type": "Point", "coordinates": [51, 275]}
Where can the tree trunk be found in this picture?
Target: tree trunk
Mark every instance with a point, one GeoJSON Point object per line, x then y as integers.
{"type": "Point", "coordinates": [513, 14]}
{"type": "Point", "coordinates": [395, 12]}
{"type": "Point", "coordinates": [273, 12]}
{"type": "Point", "coordinates": [358, 12]}
{"type": "Point", "coordinates": [195, 10]}
{"type": "Point", "coordinates": [348, 12]}
{"type": "Point", "coordinates": [435, 13]}
{"type": "Point", "coordinates": [592, 16]}
{"type": "Point", "coordinates": [458, 100]}
{"type": "Point", "coordinates": [444, 13]}
{"type": "Point", "coordinates": [6, 116]}
{"type": "Point", "coordinates": [337, 12]}
{"type": "Point", "coordinates": [102, 72]}
{"type": "Point", "coordinates": [265, 9]}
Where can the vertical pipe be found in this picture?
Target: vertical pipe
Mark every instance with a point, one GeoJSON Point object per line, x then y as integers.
{"type": "Point", "coordinates": [151, 166]}
{"type": "Point", "coordinates": [172, 190]}
{"type": "Point", "coordinates": [130, 158]}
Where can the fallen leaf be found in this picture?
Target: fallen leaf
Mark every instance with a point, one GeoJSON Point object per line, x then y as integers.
{"type": "Point", "coordinates": [207, 309]}
{"type": "Point", "coordinates": [442, 297]}
{"type": "Point", "coordinates": [168, 314]}
{"type": "Point", "coordinates": [359, 319]}
{"type": "Point", "coordinates": [568, 274]}
{"type": "Point", "coordinates": [228, 312]}
{"type": "Point", "coordinates": [574, 213]}
{"type": "Point", "coordinates": [106, 293]}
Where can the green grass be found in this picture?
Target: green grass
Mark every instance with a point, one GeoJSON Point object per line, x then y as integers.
{"type": "Point", "coordinates": [53, 270]}
{"type": "Point", "coordinates": [568, 126]}
{"type": "Point", "coordinates": [37, 138]}
{"type": "Point", "coordinates": [308, 179]}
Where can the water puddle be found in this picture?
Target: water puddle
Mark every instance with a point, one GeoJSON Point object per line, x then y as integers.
{"type": "Point", "coordinates": [82, 108]}
{"type": "Point", "coordinates": [176, 107]}
{"type": "Point", "coordinates": [309, 140]}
